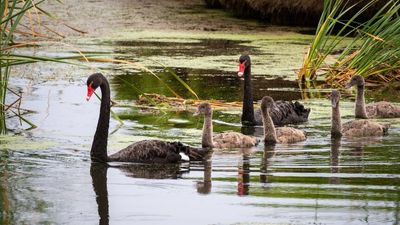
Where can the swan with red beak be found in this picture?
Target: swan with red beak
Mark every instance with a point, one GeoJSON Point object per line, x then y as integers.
{"type": "Point", "coordinates": [284, 112]}
{"type": "Point", "coordinates": [145, 151]}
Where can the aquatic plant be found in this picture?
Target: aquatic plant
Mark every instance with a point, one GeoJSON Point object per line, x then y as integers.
{"type": "Point", "coordinates": [371, 48]}
{"type": "Point", "coordinates": [11, 13]}
{"type": "Point", "coordinates": [19, 18]}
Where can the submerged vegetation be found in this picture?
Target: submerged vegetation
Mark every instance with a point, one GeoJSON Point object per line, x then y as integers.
{"type": "Point", "coordinates": [373, 50]}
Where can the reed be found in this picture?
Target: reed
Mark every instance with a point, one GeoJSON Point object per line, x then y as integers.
{"type": "Point", "coordinates": [14, 17]}
{"type": "Point", "coordinates": [372, 47]}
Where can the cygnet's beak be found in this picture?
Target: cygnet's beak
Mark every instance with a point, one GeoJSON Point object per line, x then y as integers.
{"type": "Point", "coordinates": [334, 102]}
{"type": "Point", "coordinates": [348, 85]}
{"type": "Point", "coordinates": [196, 113]}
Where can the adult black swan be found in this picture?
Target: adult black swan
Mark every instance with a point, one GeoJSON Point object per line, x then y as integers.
{"type": "Point", "coordinates": [147, 151]}
{"type": "Point", "coordinates": [284, 112]}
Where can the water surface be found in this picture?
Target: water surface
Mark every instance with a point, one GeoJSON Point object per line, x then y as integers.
{"type": "Point", "coordinates": [50, 179]}
{"type": "Point", "coordinates": [47, 177]}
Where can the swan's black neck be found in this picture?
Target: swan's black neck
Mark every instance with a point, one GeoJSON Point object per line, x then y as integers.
{"type": "Point", "coordinates": [248, 109]}
{"type": "Point", "coordinates": [99, 146]}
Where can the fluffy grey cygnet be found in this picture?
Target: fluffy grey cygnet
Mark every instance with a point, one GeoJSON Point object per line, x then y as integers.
{"type": "Point", "coordinates": [222, 140]}
{"type": "Point", "coordinates": [355, 128]}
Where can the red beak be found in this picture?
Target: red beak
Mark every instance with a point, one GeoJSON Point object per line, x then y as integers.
{"type": "Point", "coordinates": [90, 91]}
{"type": "Point", "coordinates": [242, 66]}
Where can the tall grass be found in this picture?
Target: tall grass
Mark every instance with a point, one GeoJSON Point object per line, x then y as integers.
{"type": "Point", "coordinates": [11, 13]}
{"type": "Point", "coordinates": [371, 48]}
{"type": "Point", "coordinates": [12, 16]}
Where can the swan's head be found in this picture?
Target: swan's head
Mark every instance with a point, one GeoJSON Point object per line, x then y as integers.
{"type": "Point", "coordinates": [267, 103]}
{"type": "Point", "coordinates": [93, 82]}
{"type": "Point", "coordinates": [244, 62]}
{"type": "Point", "coordinates": [335, 97]}
{"type": "Point", "coordinates": [204, 108]}
{"type": "Point", "coordinates": [357, 80]}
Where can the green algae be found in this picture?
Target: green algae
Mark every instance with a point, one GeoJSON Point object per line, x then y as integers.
{"type": "Point", "coordinates": [273, 53]}
{"type": "Point", "coordinates": [18, 143]}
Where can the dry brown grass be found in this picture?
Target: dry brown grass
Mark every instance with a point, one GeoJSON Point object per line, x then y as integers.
{"type": "Point", "coordinates": [290, 12]}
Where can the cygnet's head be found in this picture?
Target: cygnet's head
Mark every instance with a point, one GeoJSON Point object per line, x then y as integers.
{"type": "Point", "coordinates": [357, 80]}
{"type": "Point", "coordinates": [335, 97]}
{"type": "Point", "coordinates": [204, 108]}
{"type": "Point", "coordinates": [267, 103]}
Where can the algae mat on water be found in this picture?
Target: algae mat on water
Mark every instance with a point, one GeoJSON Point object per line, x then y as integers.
{"type": "Point", "coordinates": [18, 143]}
{"type": "Point", "coordinates": [273, 53]}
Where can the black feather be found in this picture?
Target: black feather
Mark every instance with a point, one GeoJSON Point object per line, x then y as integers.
{"type": "Point", "coordinates": [284, 113]}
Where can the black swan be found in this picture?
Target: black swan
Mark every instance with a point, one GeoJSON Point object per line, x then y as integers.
{"type": "Point", "coordinates": [355, 128]}
{"type": "Point", "coordinates": [147, 151]}
{"type": "Point", "coordinates": [274, 135]}
{"type": "Point", "coordinates": [284, 112]}
{"type": "Point", "coordinates": [222, 140]}
{"type": "Point", "coordinates": [381, 109]}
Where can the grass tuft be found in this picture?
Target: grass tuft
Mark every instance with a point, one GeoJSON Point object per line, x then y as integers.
{"type": "Point", "coordinates": [371, 49]}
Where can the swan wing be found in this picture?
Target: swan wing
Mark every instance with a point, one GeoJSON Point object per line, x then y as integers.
{"type": "Point", "coordinates": [155, 151]}
{"type": "Point", "coordinates": [382, 109]}
{"type": "Point", "coordinates": [290, 135]}
{"type": "Point", "coordinates": [364, 128]}
{"type": "Point", "coordinates": [234, 140]}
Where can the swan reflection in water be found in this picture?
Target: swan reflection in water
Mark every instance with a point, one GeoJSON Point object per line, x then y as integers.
{"type": "Point", "coordinates": [155, 171]}
{"type": "Point", "coordinates": [353, 149]}
{"type": "Point", "coordinates": [244, 175]}
{"type": "Point", "coordinates": [98, 172]}
{"type": "Point", "coordinates": [269, 151]}
{"type": "Point", "coordinates": [204, 187]}
{"type": "Point", "coordinates": [244, 169]}
{"type": "Point", "coordinates": [334, 160]}
{"type": "Point", "coordinates": [243, 180]}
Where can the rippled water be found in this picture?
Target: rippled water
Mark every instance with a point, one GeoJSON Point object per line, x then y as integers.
{"type": "Point", "coordinates": [47, 177]}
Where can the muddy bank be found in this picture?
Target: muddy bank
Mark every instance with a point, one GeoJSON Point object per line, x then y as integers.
{"type": "Point", "coordinates": [280, 12]}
